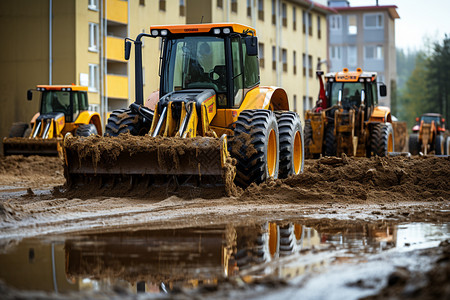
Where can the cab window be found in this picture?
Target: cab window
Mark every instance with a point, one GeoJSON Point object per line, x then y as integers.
{"type": "Point", "coordinates": [238, 76]}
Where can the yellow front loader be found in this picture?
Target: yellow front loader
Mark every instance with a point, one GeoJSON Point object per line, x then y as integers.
{"type": "Point", "coordinates": [211, 111]}
{"type": "Point", "coordinates": [63, 109]}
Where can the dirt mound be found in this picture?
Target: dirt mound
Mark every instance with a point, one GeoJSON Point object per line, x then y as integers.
{"type": "Point", "coordinates": [40, 170]}
{"type": "Point", "coordinates": [358, 180]}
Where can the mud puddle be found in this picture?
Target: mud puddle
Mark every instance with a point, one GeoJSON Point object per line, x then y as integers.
{"type": "Point", "coordinates": [283, 258]}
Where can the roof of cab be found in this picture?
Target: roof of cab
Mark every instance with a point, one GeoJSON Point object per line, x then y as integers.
{"type": "Point", "coordinates": [351, 76]}
{"type": "Point", "coordinates": [60, 87]}
{"type": "Point", "coordinates": [204, 28]}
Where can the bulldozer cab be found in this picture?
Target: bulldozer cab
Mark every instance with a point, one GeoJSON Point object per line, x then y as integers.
{"type": "Point", "coordinates": [220, 59]}
{"type": "Point", "coordinates": [65, 100]}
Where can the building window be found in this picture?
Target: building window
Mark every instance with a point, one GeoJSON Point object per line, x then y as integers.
{"type": "Point", "coordinates": [182, 8]}
{"type": "Point", "coordinates": [304, 21]}
{"type": "Point", "coordinates": [162, 5]}
{"type": "Point", "coordinates": [93, 78]}
{"type": "Point", "coordinates": [261, 10]}
{"type": "Point", "coordinates": [93, 5]}
{"type": "Point", "coordinates": [294, 18]}
{"type": "Point", "coordinates": [284, 59]}
{"type": "Point", "coordinates": [352, 27]}
{"type": "Point", "coordinates": [309, 24]}
{"type": "Point", "coordinates": [319, 32]}
{"type": "Point", "coordinates": [304, 64]}
{"type": "Point", "coordinates": [274, 13]}
{"type": "Point", "coordinates": [142, 2]}
{"type": "Point", "coordinates": [307, 103]}
{"type": "Point", "coordinates": [335, 52]}
{"type": "Point", "coordinates": [274, 58]}
{"type": "Point", "coordinates": [335, 23]}
{"type": "Point", "coordinates": [373, 52]}
{"type": "Point", "coordinates": [249, 8]}
{"type": "Point", "coordinates": [234, 6]}
{"type": "Point", "coordinates": [261, 55]}
{"type": "Point", "coordinates": [373, 21]}
{"type": "Point", "coordinates": [220, 3]}
{"type": "Point", "coordinates": [93, 37]}
{"type": "Point", "coordinates": [295, 103]}
{"type": "Point", "coordinates": [310, 70]}
{"type": "Point", "coordinates": [294, 58]}
{"type": "Point", "coordinates": [284, 14]}
{"type": "Point", "coordinates": [352, 58]}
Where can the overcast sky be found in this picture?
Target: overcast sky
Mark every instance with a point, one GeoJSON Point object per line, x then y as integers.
{"type": "Point", "coordinates": [418, 19]}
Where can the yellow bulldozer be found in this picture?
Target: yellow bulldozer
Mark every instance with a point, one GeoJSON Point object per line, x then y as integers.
{"type": "Point", "coordinates": [347, 118]}
{"type": "Point", "coordinates": [211, 108]}
{"type": "Point", "coordinates": [63, 109]}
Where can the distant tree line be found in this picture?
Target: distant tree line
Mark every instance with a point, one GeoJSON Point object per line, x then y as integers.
{"type": "Point", "coordinates": [423, 82]}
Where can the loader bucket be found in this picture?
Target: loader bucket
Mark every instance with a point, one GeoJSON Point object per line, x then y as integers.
{"type": "Point", "coordinates": [157, 162]}
{"type": "Point", "coordinates": [30, 146]}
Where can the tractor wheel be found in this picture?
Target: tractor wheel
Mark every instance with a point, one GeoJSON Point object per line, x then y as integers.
{"type": "Point", "coordinates": [330, 141]}
{"type": "Point", "coordinates": [86, 130]}
{"type": "Point", "coordinates": [414, 144]}
{"type": "Point", "coordinates": [308, 138]}
{"type": "Point", "coordinates": [447, 146]}
{"type": "Point", "coordinates": [125, 121]}
{"type": "Point", "coordinates": [439, 148]}
{"type": "Point", "coordinates": [382, 139]}
{"type": "Point", "coordinates": [255, 146]}
{"type": "Point", "coordinates": [27, 132]}
{"type": "Point", "coordinates": [291, 144]}
{"type": "Point", "coordinates": [18, 129]}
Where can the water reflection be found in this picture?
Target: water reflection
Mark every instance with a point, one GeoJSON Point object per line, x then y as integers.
{"type": "Point", "coordinates": [158, 261]}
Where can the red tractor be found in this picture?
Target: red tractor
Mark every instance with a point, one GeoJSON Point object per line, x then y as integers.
{"type": "Point", "coordinates": [429, 135]}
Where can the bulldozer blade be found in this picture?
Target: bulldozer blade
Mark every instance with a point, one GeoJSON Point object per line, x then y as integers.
{"type": "Point", "coordinates": [29, 146]}
{"type": "Point", "coordinates": [199, 161]}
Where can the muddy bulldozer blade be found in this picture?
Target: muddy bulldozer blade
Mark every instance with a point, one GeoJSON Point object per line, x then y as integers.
{"type": "Point", "coordinates": [29, 146]}
{"type": "Point", "coordinates": [155, 161]}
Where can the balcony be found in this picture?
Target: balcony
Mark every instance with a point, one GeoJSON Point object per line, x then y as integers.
{"type": "Point", "coordinates": [117, 11]}
{"type": "Point", "coordinates": [117, 86]}
{"type": "Point", "coordinates": [115, 49]}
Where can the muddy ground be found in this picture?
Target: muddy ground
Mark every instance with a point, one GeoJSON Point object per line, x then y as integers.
{"type": "Point", "coordinates": [34, 201]}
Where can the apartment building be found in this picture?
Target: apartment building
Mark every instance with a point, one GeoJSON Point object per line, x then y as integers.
{"type": "Point", "coordinates": [364, 37]}
{"type": "Point", "coordinates": [81, 42]}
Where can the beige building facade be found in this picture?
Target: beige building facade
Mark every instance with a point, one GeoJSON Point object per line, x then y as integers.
{"type": "Point", "coordinates": [83, 44]}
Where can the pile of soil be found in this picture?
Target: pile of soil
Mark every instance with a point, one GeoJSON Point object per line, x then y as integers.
{"type": "Point", "coordinates": [31, 170]}
{"type": "Point", "coordinates": [361, 180]}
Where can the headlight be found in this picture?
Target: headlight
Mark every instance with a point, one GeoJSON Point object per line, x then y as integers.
{"type": "Point", "coordinates": [155, 32]}
{"type": "Point", "coordinates": [226, 30]}
{"type": "Point", "coordinates": [216, 31]}
{"type": "Point", "coordinates": [164, 32]}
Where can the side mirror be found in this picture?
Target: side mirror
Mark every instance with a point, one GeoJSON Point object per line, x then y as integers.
{"type": "Point", "coordinates": [251, 44]}
{"type": "Point", "coordinates": [383, 90]}
{"type": "Point", "coordinates": [29, 95]}
{"type": "Point", "coordinates": [127, 50]}
{"type": "Point", "coordinates": [363, 96]}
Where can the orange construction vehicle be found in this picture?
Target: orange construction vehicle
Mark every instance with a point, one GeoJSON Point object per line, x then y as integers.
{"type": "Point", "coordinates": [347, 118]}
{"type": "Point", "coordinates": [63, 109]}
{"type": "Point", "coordinates": [429, 135]}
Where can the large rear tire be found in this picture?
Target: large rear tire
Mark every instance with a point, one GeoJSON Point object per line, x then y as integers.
{"type": "Point", "coordinates": [414, 144]}
{"type": "Point", "coordinates": [439, 148]}
{"type": "Point", "coordinates": [86, 130]}
{"type": "Point", "coordinates": [18, 129]}
{"type": "Point", "coordinates": [382, 139]}
{"type": "Point", "coordinates": [330, 141]}
{"type": "Point", "coordinates": [291, 144]}
{"type": "Point", "coordinates": [255, 146]}
{"type": "Point", "coordinates": [126, 121]}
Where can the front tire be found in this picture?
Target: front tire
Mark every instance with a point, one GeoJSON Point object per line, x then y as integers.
{"type": "Point", "coordinates": [330, 141]}
{"type": "Point", "coordinates": [255, 146]}
{"type": "Point", "coordinates": [447, 146]}
{"type": "Point", "coordinates": [126, 121]}
{"type": "Point", "coordinates": [86, 130]}
{"type": "Point", "coordinates": [413, 144]}
{"type": "Point", "coordinates": [382, 139]}
{"type": "Point", "coordinates": [291, 144]}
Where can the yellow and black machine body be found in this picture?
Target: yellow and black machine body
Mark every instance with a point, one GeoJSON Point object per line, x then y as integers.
{"type": "Point", "coordinates": [210, 102]}
{"type": "Point", "coordinates": [63, 109]}
{"type": "Point", "coordinates": [347, 118]}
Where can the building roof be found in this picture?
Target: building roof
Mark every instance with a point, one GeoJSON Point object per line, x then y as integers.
{"type": "Point", "coordinates": [316, 6]}
{"type": "Point", "coordinates": [392, 9]}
